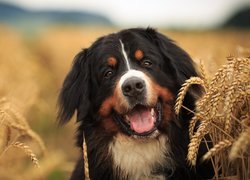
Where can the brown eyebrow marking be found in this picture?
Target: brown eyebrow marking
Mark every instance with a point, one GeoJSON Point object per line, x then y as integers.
{"type": "Point", "coordinates": [139, 54]}
{"type": "Point", "coordinates": [112, 61]}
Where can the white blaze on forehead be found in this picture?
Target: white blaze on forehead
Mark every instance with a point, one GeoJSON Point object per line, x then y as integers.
{"type": "Point", "coordinates": [125, 55]}
{"type": "Point", "coordinates": [134, 73]}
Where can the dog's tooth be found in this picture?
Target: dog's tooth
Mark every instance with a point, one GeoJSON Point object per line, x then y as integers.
{"type": "Point", "coordinates": [152, 112]}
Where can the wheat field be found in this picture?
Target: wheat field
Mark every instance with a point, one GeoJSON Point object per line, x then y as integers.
{"type": "Point", "coordinates": [32, 69]}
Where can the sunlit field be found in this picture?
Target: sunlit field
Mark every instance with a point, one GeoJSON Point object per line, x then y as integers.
{"type": "Point", "coordinates": [32, 68]}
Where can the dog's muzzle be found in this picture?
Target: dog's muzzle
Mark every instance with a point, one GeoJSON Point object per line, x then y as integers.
{"type": "Point", "coordinates": [141, 121]}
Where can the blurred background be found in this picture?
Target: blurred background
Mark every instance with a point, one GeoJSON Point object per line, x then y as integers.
{"type": "Point", "coordinates": [38, 40]}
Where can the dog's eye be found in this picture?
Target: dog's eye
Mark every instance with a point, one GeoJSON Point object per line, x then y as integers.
{"type": "Point", "coordinates": [147, 63]}
{"type": "Point", "coordinates": [108, 74]}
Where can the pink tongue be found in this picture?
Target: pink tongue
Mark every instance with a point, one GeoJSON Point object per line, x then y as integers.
{"type": "Point", "coordinates": [141, 121]}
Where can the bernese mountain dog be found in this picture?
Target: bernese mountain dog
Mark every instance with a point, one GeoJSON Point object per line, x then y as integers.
{"type": "Point", "coordinates": [123, 89]}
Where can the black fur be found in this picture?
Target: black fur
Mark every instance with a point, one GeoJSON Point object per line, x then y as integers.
{"type": "Point", "coordinates": [84, 90]}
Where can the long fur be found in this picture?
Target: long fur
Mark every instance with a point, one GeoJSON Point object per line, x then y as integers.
{"type": "Point", "coordinates": [111, 153]}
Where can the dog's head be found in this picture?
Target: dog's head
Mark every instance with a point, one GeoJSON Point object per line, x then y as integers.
{"type": "Point", "coordinates": [127, 82]}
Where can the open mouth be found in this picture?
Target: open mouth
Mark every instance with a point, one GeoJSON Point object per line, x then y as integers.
{"type": "Point", "coordinates": [141, 121]}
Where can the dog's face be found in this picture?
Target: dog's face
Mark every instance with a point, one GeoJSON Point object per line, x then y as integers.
{"type": "Point", "coordinates": [127, 83]}
{"type": "Point", "coordinates": [132, 70]}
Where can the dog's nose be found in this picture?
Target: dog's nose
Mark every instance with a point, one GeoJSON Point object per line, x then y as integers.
{"type": "Point", "coordinates": [133, 86]}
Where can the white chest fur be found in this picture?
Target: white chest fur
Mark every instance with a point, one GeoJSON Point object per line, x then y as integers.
{"type": "Point", "coordinates": [136, 158]}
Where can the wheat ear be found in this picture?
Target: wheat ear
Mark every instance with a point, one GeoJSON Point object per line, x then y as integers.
{"type": "Point", "coordinates": [27, 132]}
{"type": "Point", "coordinates": [203, 75]}
{"type": "Point", "coordinates": [85, 159]}
{"type": "Point", "coordinates": [217, 148]}
{"type": "Point", "coordinates": [27, 151]}
{"type": "Point", "coordinates": [184, 89]}
{"type": "Point", "coordinates": [241, 144]}
{"type": "Point", "coordinates": [195, 142]}
{"type": "Point", "coordinates": [192, 124]}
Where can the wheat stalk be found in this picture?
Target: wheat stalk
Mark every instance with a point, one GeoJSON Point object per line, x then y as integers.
{"type": "Point", "coordinates": [184, 89]}
{"type": "Point", "coordinates": [204, 75]}
{"type": "Point", "coordinates": [195, 141]}
{"type": "Point", "coordinates": [217, 148]}
{"type": "Point", "coordinates": [27, 151]}
{"type": "Point", "coordinates": [241, 144]}
{"type": "Point", "coordinates": [192, 124]}
{"type": "Point", "coordinates": [85, 159]}
{"type": "Point", "coordinates": [14, 120]}
{"type": "Point", "coordinates": [11, 120]}
{"type": "Point", "coordinates": [223, 114]}
{"type": "Point", "coordinates": [4, 137]}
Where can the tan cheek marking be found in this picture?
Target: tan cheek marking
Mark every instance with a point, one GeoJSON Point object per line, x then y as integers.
{"type": "Point", "coordinates": [112, 61]}
{"type": "Point", "coordinates": [156, 91]}
{"type": "Point", "coordinates": [164, 93]}
{"type": "Point", "coordinates": [168, 99]}
{"type": "Point", "coordinates": [139, 55]}
{"type": "Point", "coordinates": [116, 101]}
{"type": "Point", "coordinates": [110, 125]}
{"type": "Point", "coordinates": [152, 95]}
{"type": "Point", "coordinates": [106, 106]}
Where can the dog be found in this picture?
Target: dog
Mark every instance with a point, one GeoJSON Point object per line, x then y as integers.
{"type": "Point", "coordinates": [123, 89]}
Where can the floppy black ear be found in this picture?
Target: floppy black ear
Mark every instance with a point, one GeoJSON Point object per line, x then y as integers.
{"type": "Point", "coordinates": [74, 94]}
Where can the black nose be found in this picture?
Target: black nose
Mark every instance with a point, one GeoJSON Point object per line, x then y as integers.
{"type": "Point", "coordinates": [133, 86]}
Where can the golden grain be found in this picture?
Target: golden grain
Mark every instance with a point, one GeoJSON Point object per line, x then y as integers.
{"type": "Point", "coordinates": [183, 91]}
{"type": "Point", "coordinates": [203, 74]}
{"type": "Point", "coordinates": [195, 141]}
{"type": "Point", "coordinates": [223, 113]}
{"type": "Point", "coordinates": [12, 120]}
{"type": "Point", "coordinates": [32, 75]}
{"type": "Point", "coordinates": [27, 151]}
{"type": "Point", "coordinates": [240, 145]}
{"type": "Point", "coordinates": [85, 159]}
{"type": "Point", "coordinates": [192, 124]}
{"type": "Point", "coordinates": [217, 148]}
{"type": "Point", "coordinates": [3, 138]}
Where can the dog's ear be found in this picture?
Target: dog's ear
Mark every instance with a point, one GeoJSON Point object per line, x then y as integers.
{"type": "Point", "coordinates": [74, 94]}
